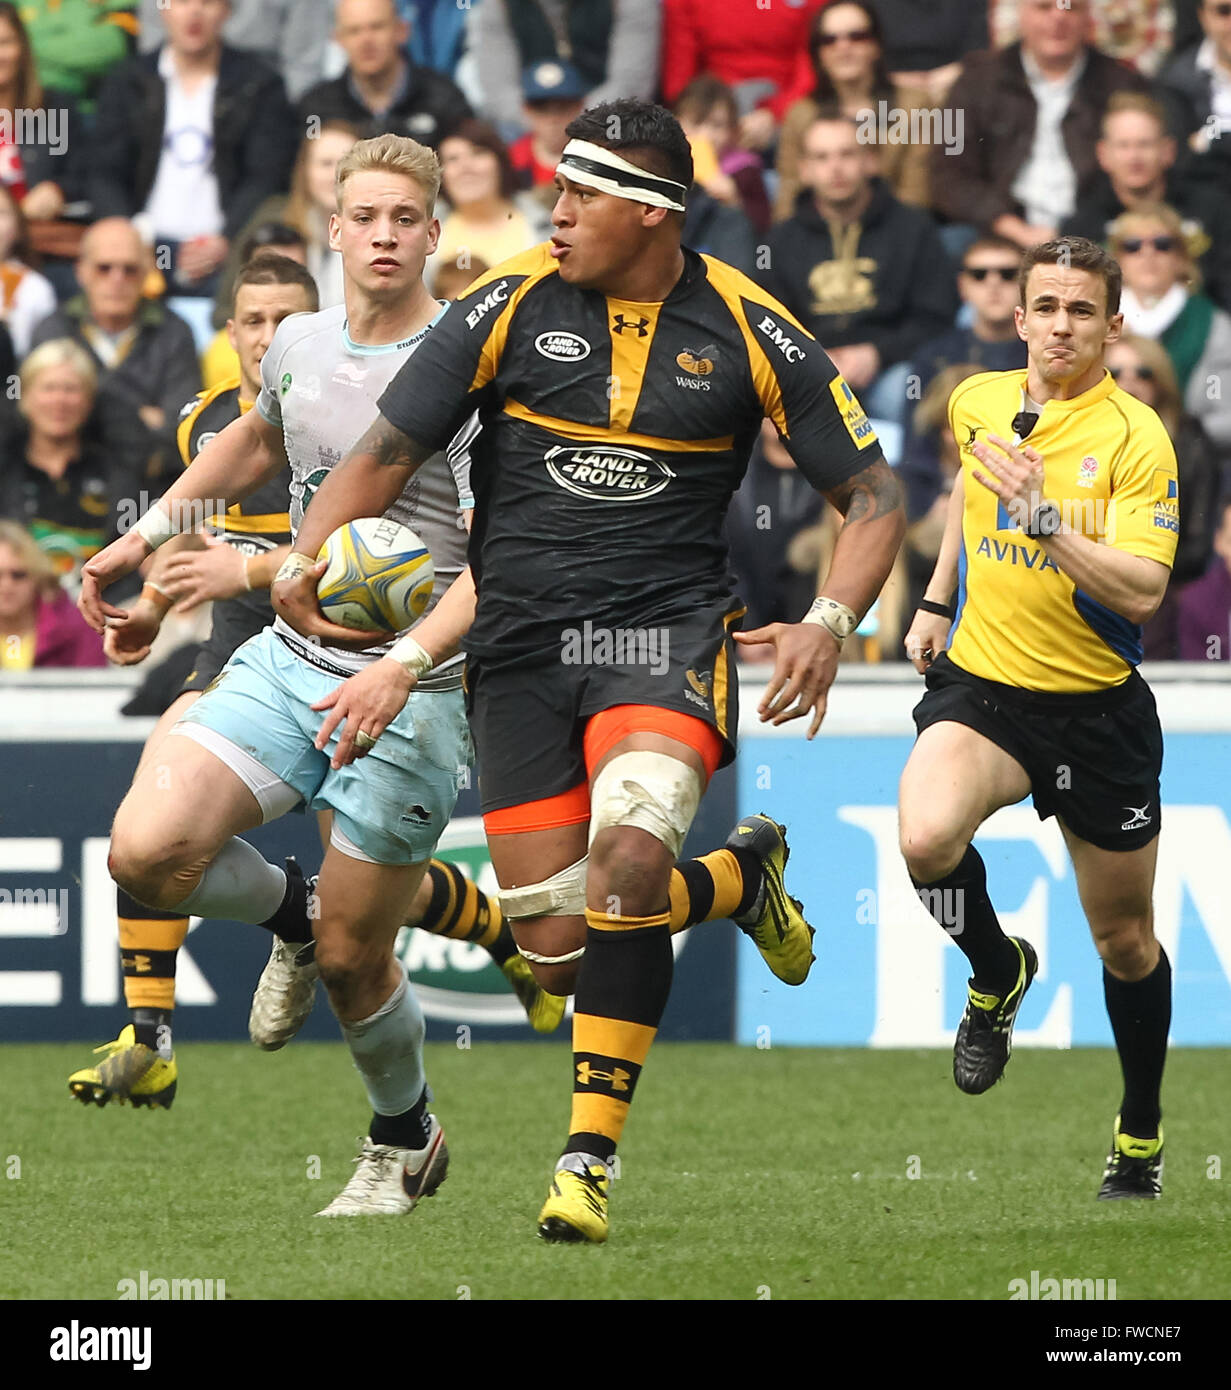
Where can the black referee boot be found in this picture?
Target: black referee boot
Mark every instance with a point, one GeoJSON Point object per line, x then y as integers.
{"type": "Point", "coordinates": [985, 1034]}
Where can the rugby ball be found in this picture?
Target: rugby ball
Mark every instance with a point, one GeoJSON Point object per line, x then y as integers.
{"type": "Point", "coordinates": [379, 575]}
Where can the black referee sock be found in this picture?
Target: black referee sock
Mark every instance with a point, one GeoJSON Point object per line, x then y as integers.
{"type": "Point", "coordinates": [959, 902]}
{"type": "Point", "coordinates": [1140, 1013]}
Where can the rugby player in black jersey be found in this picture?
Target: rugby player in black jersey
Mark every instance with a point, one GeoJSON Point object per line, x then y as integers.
{"type": "Point", "coordinates": [620, 381]}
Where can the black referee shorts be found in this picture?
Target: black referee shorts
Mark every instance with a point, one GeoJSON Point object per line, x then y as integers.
{"type": "Point", "coordinates": [529, 720]}
{"type": "Point", "coordinates": [1093, 758]}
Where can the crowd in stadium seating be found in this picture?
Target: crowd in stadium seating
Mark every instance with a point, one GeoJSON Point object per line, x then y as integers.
{"type": "Point", "coordinates": [878, 165]}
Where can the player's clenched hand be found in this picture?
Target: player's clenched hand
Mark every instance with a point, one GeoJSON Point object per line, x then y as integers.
{"type": "Point", "coordinates": [369, 702]}
{"type": "Point", "coordinates": [927, 638]}
{"type": "Point", "coordinates": [197, 576]}
{"type": "Point", "coordinates": [127, 641]}
{"type": "Point", "coordinates": [805, 666]}
{"type": "Point", "coordinates": [294, 600]}
{"type": "Point", "coordinates": [111, 563]}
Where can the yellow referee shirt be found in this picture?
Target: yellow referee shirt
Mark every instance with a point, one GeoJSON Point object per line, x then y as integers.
{"type": "Point", "coordinates": [1109, 465]}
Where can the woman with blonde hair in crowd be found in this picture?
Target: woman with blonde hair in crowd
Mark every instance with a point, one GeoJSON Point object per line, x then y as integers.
{"type": "Point", "coordinates": [848, 56]}
{"type": "Point", "coordinates": [39, 623]}
{"type": "Point", "coordinates": [1142, 368]}
{"type": "Point", "coordinates": [57, 474]}
{"type": "Point", "coordinates": [1162, 300]}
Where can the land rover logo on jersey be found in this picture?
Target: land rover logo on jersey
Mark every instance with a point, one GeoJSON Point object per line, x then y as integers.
{"type": "Point", "coordinates": [562, 347]}
{"type": "Point", "coordinates": [606, 474]}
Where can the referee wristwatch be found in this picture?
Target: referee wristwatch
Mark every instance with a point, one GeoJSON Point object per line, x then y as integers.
{"type": "Point", "coordinates": [1045, 521]}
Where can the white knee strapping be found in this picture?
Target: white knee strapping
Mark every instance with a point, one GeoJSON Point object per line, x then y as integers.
{"type": "Point", "coordinates": [553, 960]}
{"type": "Point", "coordinates": [561, 895]}
{"type": "Point", "coordinates": [652, 791]}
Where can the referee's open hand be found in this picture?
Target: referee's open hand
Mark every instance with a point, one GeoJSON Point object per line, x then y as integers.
{"type": "Point", "coordinates": [1016, 474]}
{"type": "Point", "coordinates": [805, 664]}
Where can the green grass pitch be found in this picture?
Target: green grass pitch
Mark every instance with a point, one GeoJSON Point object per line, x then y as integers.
{"type": "Point", "coordinates": [745, 1174]}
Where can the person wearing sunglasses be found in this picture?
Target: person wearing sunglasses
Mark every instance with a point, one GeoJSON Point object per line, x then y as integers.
{"type": "Point", "coordinates": [1197, 84]}
{"type": "Point", "coordinates": [1141, 367]}
{"type": "Point", "coordinates": [1137, 167]}
{"type": "Point", "coordinates": [987, 284]}
{"type": "Point", "coordinates": [144, 354]}
{"type": "Point", "coordinates": [848, 57]}
{"type": "Point", "coordinates": [1162, 300]}
{"type": "Point", "coordinates": [1030, 124]}
{"type": "Point", "coordinates": [39, 625]}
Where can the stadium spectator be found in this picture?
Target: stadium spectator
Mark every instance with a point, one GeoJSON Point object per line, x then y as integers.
{"type": "Point", "coordinates": [930, 464]}
{"type": "Point", "coordinates": [306, 209]}
{"type": "Point", "coordinates": [382, 91]}
{"type": "Point", "coordinates": [773, 505]}
{"type": "Point", "coordinates": [760, 53]}
{"type": "Point", "coordinates": [26, 297]}
{"type": "Point", "coordinates": [438, 33]}
{"type": "Point", "coordinates": [848, 59]}
{"type": "Point", "coordinates": [40, 136]}
{"type": "Point", "coordinates": [987, 284]}
{"type": "Point", "coordinates": [144, 354]}
{"type": "Point", "coordinates": [1030, 124]}
{"type": "Point", "coordinates": [863, 272]}
{"type": "Point", "coordinates": [1137, 32]}
{"type": "Point", "coordinates": [1160, 300]}
{"type": "Point", "coordinates": [707, 111]}
{"type": "Point", "coordinates": [713, 229]}
{"type": "Point", "coordinates": [1205, 605]}
{"type": "Point", "coordinates": [290, 35]}
{"type": "Point", "coordinates": [59, 475]}
{"type": "Point", "coordinates": [614, 47]}
{"type": "Point", "coordinates": [39, 623]}
{"type": "Point", "coordinates": [77, 42]}
{"type": "Point", "coordinates": [451, 280]}
{"type": "Point", "coordinates": [1142, 368]}
{"type": "Point", "coordinates": [926, 40]}
{"type": "Point", "coordinates": [484, 216]}
{"type": "Point", "coordinates": [1197, 83]}
{"type": "Point", "coordinates": [178, 142]}
{"type": "Point", "coordinates": [553, 94]}
{"type": "Point", "coordinates": [1137, 164]}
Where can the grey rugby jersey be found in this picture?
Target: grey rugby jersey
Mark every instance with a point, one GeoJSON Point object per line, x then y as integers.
{"type": "Point", "coordinates": [321, 389]}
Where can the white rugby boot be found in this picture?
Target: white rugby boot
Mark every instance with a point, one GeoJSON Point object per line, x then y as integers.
{"type": "Point", "coordinates": [390, 1181]}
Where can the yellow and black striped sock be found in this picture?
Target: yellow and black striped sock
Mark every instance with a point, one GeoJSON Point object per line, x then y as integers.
{"type": "Point", "coordinates": [459, 909]}
{"type": "Point", "coordinates": [622, 989]}
{"type": "Point", "coordinates": [722, 884]}
{"type": "Point", "coordinates": [149, 942]}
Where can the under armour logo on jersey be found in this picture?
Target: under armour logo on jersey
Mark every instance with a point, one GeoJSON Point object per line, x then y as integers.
{"type": "Point", "coordinates": [639, 326]}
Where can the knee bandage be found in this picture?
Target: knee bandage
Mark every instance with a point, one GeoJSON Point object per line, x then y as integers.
{"type": "Point", "coordinates": [651, 791]}
{"type": "Point", "coordinates": [561, 895]}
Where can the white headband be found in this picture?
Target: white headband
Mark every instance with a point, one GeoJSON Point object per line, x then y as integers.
{"type": "Point", "coordinates": [603, 169]}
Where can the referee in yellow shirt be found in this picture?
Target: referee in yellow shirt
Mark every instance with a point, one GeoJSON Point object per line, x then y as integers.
{"type": "Point", "coordinates": [1056, 551]}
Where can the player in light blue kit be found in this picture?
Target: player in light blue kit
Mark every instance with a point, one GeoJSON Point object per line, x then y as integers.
{"type": "Point", "coordinates": [272, 734]}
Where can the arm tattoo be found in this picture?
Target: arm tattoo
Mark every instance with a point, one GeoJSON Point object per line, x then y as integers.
{"type": "Point", "coordinates": [388, 445]}
{"type": "Point", "coordinates": [870, 494]}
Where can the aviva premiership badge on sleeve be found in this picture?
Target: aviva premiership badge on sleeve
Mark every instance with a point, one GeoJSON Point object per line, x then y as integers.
{"type": "Point", "coordinates": [858, 426]}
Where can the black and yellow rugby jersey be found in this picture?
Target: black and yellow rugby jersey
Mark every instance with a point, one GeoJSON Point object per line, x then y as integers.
{"type": "Point", "coordinates": [260, 522]}
{"type": "Point", "coordinates": [613, 435]}
{"type": "Point", "coordinates": [1109, 465]}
